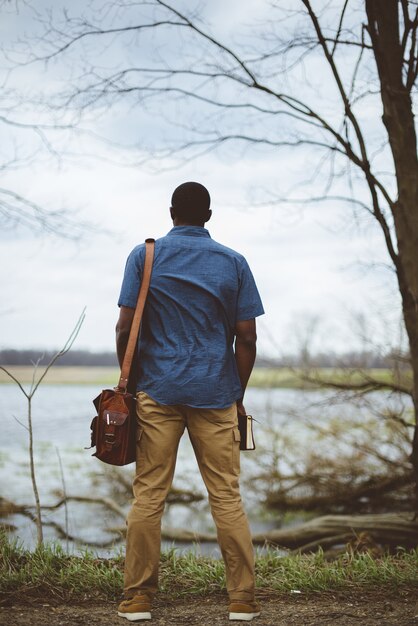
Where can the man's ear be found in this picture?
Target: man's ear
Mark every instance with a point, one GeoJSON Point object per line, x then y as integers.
{"type": "Point", "coordinates": [172, 213]}
{"type": "Point", "coordinates": [209, 215]}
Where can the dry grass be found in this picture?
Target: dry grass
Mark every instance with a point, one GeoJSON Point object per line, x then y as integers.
{"type": "Point", "coordinates": [71, 375]}
{"type": "Point", "coordinates": [280, 377]}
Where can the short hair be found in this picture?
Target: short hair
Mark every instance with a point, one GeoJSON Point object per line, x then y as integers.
{"type": "Point", "coordinates": [190, 202]}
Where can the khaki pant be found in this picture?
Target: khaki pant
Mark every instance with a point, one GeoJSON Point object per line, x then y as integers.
{"type": "Point", "coordinates": [215, 438]}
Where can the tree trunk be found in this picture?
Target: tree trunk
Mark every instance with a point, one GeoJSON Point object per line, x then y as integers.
{"type": "Point", "coordinates": [398, 118]}
{"type": "Point", "coordinates": [39, 530]}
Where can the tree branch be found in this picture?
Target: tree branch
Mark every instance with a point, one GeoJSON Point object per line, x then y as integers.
{"type": "Point", "coordinates": [413, 57]}
{"type": "Point", "coordinates": [18, 209]}
{"type": "Point", "coordinates": [340, 23]}
{"type": "Point", "coordinates": [367, 385]}
{"type": "Point", "coordinates": [67, 346]}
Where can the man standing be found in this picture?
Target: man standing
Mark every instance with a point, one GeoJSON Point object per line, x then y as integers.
{"type": "Point", "coordinates": [196, 353]}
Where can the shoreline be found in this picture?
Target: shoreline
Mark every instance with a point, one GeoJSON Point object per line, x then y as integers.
{"type": "Point", "coordinates": [262, 377]}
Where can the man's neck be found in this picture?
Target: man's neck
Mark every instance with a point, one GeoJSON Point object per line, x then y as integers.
{"type": "Point", "coordinates": [177, 222]}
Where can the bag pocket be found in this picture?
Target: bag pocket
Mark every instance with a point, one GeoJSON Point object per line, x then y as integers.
{"type": "Point", "coordinates": [93, 432]}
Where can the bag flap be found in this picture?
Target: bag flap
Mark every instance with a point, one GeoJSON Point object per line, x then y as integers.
{"type": "Point", "coordinates": [114, 418]}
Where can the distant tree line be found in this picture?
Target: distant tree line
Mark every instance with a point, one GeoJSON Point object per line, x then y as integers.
{"type": "Point", "coordinates": [75, 357]}
{"type": "Point", "coordinates": [352, 359]}
{"type": "Point", "coordinates": [358, 360]}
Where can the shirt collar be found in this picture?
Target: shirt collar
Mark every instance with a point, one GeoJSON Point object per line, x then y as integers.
{"type": "Point", "coordinates": [189, 231]}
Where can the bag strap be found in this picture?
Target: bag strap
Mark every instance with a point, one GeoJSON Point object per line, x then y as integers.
{"type": "Point", "coordinates": [136, 321]}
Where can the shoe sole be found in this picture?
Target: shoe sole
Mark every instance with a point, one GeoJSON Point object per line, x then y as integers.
{"type": "Point", "coordinates": [243, 617]}
{"type": "Point", "coordinates": [134, 617]}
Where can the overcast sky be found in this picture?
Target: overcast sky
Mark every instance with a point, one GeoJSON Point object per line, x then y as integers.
{"type": "Point", "coordinates": [320, 261]}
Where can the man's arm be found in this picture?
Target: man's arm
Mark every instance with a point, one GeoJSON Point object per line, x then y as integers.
{"type": "Point", "coordinates": [245, 352]}
{"type": "Point", "coordinates": [123, 327]}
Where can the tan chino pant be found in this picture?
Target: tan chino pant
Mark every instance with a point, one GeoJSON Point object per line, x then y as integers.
{"type": "Point", "coordinates": [215, 438]}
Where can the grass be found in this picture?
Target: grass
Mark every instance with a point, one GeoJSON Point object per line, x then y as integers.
{"type": "Point", "coordinates": [50, 571]}
{"type": "Point", "coordinates": [72, 375]}
{"type": "Point", "coordinates": [281, 377]}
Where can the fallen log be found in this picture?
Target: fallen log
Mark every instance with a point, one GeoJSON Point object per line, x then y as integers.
{"type": "Point", "coordinates": [387, 529]}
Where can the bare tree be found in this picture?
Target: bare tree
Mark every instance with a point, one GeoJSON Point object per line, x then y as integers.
{"type": "Point", "coordinates": [36, 382]}
{"type": "Point", "coordinates": [266, 91]}
{"type": "Point", "coordinates": [23, 145]}
{"type": "Point", "coordinates": [354, 463]}
{"type": "Point", "coordinates": [27, 140]}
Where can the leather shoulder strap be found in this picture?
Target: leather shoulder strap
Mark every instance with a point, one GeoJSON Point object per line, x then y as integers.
{"type": "Point", "coordinates": [136, 322]}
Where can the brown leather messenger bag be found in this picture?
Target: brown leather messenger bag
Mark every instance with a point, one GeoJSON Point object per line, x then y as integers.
{"type": "Point", "coordinates": [113, 430]}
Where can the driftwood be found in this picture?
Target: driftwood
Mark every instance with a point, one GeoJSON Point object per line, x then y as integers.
{"type": "Point", "coordinates": [9, 508]}
{"type": "Point", "coordinates": [358, 532]}
{"type": "Point", "coordinates": [387, 529]}
{"type": "Point", "coordinates": [363, 532]}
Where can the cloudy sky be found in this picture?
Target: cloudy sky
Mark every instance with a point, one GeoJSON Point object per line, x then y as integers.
{"type": "Point", "coordinates": [323, 261]}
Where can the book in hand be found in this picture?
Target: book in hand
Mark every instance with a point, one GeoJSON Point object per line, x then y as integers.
{"type": "Point", "coordinates": [245, 425]}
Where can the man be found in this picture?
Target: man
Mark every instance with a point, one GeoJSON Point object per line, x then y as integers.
{"type": "Point", "coordinates": [202, 297]}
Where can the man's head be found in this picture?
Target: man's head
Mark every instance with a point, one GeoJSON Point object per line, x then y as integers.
{"type": "Point", "coordinates": [190, 204]}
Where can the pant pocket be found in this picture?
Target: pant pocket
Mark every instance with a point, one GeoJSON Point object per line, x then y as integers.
{"type": "Point", "coordinates": [236, 439]}
{"type": "Point", "coordinates": [139, 433]}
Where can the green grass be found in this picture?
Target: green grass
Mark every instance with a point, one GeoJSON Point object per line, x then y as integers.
{"type": "Point", "coordinates": [49, 570]}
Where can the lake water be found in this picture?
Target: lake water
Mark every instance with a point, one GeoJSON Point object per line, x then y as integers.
{"type": "Point", "coordinates": [61, 425]}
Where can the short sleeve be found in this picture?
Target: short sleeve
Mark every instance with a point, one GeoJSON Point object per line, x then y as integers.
{"type": "Point", "coordinates": [132, 278]}
{"type": "Point", "coordinates": [249, 303]}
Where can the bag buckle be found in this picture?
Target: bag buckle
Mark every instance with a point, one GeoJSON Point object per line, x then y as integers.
{"type": "Point", "coordinates": [110, 438]}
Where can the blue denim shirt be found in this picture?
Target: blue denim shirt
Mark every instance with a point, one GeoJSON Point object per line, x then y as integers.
{"type": "Point", "coordinates": [199, 290]}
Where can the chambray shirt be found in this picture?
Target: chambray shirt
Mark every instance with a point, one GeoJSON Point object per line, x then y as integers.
{"type": "Point", "coordinates": [199, 290]}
